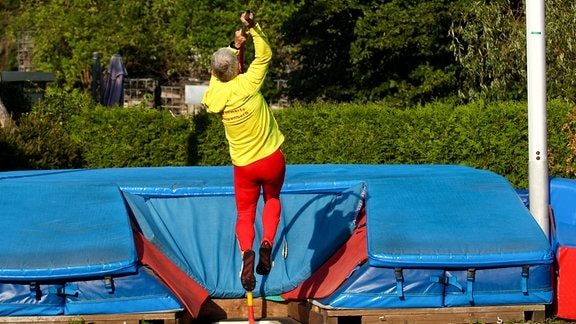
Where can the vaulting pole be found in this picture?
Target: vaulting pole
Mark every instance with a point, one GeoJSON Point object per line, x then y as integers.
{"type": "Point", "coordinates": [538, 187]}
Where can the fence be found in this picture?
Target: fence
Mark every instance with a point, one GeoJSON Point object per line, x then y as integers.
{"type": "Point", "coordinates": [179, 100]}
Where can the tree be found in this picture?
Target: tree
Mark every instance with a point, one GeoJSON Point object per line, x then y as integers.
{"type": "Point", "coordinates": [561, 49]}
{"type": "Point", "coordinates": [8, 9]}
{"type": "Point", "coordinates": [402, 50]}
{"type": "Point", "coordinates": [410, 51]}
{"type": "Point", "coordinates": [163, 39]}
{"type": "Point", "coordinates": [369, 50]}
{"type": "Point", "coordinates": [489, 43]}
{"type": "Point", "coordinates": [67, 33]}
{"type": "Point", "coordinates": [321, 32]}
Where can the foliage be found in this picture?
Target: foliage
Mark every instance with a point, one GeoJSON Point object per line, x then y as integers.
{"type": "Point", "coordinates": [491, 137]}
{"type": "Point", "coordinates": [560, 50]}
{"type": "Point", "coordinates": [135, 137]}
{"type": "Point", "coordinates": [60, 106]}
{"type": "Point", "coordinates": [322, 32]}
{"type": "Point", "coordinates": [489, 43]}
{"type": "Point", "coordinates": [14, 100]}
{"type": "Point", "coordinates": [46, 145]}
{"type": "Point", "coordinates": [342, 51]}
{"type": "Point", "coordinates": [200, 28]}
{"type": "Point", "coordinates": [164, 39]}
{"type": "Point", "coordinates": [68, 130]}
{"type": "Point", "coordinates": [370, 50]}
{"type": "Point", "coordinates": [401, 50]}
{"type": "Point", "coordinates": [406, 52]}
{"type": "Point", "coordinates": [8, 9]}
{"type": "Point", "coordinates": [67, 33]}
{"type": "Point", "coordinates": [210, 143]}
{"type": "Point", "coordinates": [41, 139]}
{"type": "Point", "coordinates": [562, 140]}
{"type": "Point", "coordinates": [11, 156]}
{"type": "Point", "coordinates": [271, 16]}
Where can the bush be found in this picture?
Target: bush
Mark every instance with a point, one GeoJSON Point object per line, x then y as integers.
{"type": "Point", "coordinates": [14, 100]}
{"type": "Point", "coordinates": [486, 136]}
{"type": "Point", "coordinates": [135, 137]}
{"type": "Point", "coordinates": [70, 131]}
{"type": "Point", "coordinates": [208, 143]}
{"type": "Point", "coordinates": [562, 139]}
{"type": "Point", "coordinates": [39, 139]}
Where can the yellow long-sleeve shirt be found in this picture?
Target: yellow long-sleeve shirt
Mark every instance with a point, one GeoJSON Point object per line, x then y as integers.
{"type": "Point", "coordinates": [251, 129]}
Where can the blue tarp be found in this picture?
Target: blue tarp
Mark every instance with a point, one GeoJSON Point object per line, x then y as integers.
{"type": "Point", "coordinates": [371, 287]}
{"type": "Point", "coordinates": [197, 233]}
{"type": "Point", "coordinates": [188, 212]}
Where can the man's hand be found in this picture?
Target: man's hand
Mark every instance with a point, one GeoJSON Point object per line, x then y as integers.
{"type": "Point", "coordinates": [239, 38]}
{"type": "Point", "coordinates": [247, 18]}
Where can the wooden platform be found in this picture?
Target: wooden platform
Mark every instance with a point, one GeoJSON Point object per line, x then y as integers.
{"type": "Point", "coordinates": [231, 310]}
{"type": "Point", "coordinates": [167, 318]}
{"type": "Point", "coordinates": [307, 313]}
{"type": "Point", "coordinates": [236, 309]}
{"type": "Point", "coordinates": [312, 314]}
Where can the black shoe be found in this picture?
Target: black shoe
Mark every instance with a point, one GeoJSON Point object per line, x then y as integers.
{"type": "Point", "coordinates": [247, 277]}
{"type": "Point", "coordinates": [264, 264]}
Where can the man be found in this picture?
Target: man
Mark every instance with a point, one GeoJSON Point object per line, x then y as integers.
{"type": "Point", "coordinates": [254, 141]}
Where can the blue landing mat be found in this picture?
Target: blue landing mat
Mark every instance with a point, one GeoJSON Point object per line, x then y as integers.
{"type": "Point", "coordinates": [140, 292]}
{"type": "Point", "coordinates": [419, 217]}
{"type": "Point", "coordinates": [56, 230]}
{"type": "Point", "coordinates": [449, 237]}
{"type": "Point", "coordinates": [468, 218]}
{"type": "Point", "coordinates": [197, 233]}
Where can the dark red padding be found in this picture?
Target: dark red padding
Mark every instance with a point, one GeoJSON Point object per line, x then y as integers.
{"type": "Point", "coordinates": [336, 269]}
{"type": "Point", "coordinates": [189, 292]}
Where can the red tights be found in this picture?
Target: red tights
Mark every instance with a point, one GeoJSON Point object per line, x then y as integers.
{"type": "Point", "coordinates": [266, 175]}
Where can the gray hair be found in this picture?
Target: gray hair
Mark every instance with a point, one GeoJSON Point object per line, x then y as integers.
{"type": "Point", "coordinates": [224, 64]}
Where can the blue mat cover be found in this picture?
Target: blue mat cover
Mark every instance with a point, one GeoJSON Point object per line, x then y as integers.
{"type": "Point", "coordinates": [432, 222]}
{"type": "Point", "coordinates": [378, 287]}
{"type": "Point", "coordinates": [563, 202]}
{"type": "Point", "coordinates": [19, 299]}
{"type": "Point", "coordinates": [462, 238]}
{"type": "Point", "coordinates": [197, 233]}
{"type": "Point", "coordinates": [142, 292]}
{"type": "Point", "coordinates": [57, 230]}
{"type": "Point", "coordinates": [468, 218]}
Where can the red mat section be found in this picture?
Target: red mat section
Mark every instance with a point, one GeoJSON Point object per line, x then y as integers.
{"type": "Point", "coordinates": [566, 283]}
{"type": "Point", "coordinates": [333, 272]}
{"type": "Point", "coordinates": [188, 291]}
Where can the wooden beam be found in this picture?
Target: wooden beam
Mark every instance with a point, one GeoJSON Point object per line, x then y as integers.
{"type": "Point", "coordinates": [312, 314]}
{"type": "Point", "coordinates": [221, 309]}
{"type": "Point", "coordinates": [166, 318]}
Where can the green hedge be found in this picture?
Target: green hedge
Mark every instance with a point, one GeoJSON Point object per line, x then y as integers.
{"type": "Point", "coordinates": [136, 137]}
{"type": "Point", "coordinates": [69, 131]}
{"type": "Point", "coordinates": [491, 137]}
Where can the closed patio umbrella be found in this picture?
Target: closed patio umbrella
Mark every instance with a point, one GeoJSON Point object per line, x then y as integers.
{"type": "Point", "coordinates": [113, 85]}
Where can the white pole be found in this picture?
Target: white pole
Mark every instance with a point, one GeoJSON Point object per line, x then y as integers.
{"type": "Point", "coordinates": [538, 187]}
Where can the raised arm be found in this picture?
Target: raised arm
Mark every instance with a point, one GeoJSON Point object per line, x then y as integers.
{"type": "Point", "coordinates": [254, 77]}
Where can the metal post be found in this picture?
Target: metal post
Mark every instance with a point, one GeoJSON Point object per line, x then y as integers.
{"type": "Point", "coordinates": [539, 186]}
{"type": "Point", "coordinates": [96, 75]}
